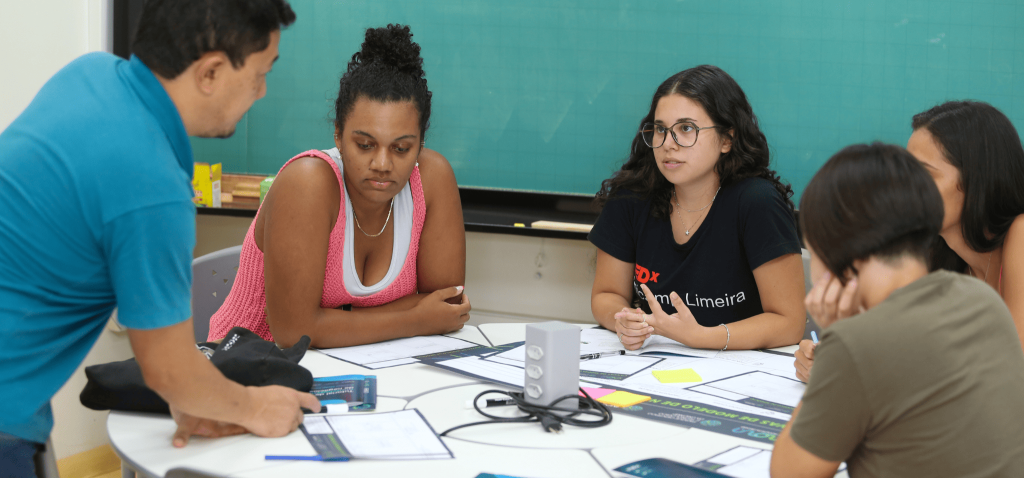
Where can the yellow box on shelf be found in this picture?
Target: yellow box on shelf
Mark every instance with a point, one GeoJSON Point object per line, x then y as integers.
{"type": "Point", "coordinates": [206, 183]}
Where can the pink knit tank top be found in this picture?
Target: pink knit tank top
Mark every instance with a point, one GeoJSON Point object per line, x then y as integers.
{"type": "Point", "coordinates": [246, 304]}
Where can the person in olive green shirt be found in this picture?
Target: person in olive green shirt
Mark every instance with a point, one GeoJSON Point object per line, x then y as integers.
{"type": "Point", "coordinates": [928, 380]}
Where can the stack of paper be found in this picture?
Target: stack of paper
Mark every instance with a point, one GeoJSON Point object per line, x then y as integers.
{"type": "Point", "coordinates": [397, 352]}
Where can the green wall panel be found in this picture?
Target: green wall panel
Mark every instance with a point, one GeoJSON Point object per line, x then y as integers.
{"type": "Point", "coordinates": [546, 96]}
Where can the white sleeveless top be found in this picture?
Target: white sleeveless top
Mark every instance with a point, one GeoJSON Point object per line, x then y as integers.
{"type": "Point", "coordinates": [402, 216]}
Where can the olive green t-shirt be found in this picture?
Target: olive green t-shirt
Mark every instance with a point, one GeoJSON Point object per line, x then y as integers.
{"type": "Point", "coordinates": [930, 382]}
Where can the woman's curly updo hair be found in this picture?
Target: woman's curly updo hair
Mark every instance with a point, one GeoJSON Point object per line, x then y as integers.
{"type": "Point", "coordinates": [727, 105]}
{"type": "Point", "coordinates": [388, 67]}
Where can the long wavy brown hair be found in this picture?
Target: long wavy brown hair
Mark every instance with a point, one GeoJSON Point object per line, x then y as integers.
{"type": "Point", "coordinates": [727, 105]}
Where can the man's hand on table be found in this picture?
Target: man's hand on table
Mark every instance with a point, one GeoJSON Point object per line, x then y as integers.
{"type": "Point", "coordinates": [189, 426]}
{"type": "Point", "coordinates": [274, 411]}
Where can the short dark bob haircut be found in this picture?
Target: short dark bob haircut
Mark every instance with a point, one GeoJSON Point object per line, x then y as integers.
{"type": "Point", "coordinates": [173, 34]}
{"type": "Point", "coordinates": [727, 105]}
{"type": "Point", "coordinates": [981, 142]}
{"type": "Point", "coordinates": [870, 200]}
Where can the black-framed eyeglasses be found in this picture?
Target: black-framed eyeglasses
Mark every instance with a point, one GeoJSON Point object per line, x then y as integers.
{"type": "Point", "coordinates": [684, 133]}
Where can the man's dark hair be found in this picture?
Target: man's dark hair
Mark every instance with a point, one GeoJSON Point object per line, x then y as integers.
{"type": "Point", "coordinates": [173, 34]}
{"type": "Point", "coordinates": [870, 200]}
{"type": "Point", "coordinates": [981, 142]}
{"type": "Point", "coordinates": [387, 67]}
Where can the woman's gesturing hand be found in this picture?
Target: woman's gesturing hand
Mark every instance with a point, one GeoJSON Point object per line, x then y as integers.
{"type": "Point", "coordinates": [680, 326]}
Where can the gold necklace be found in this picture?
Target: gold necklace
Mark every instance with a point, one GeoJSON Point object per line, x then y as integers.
{"type": "Point", "coordinates": [390, 208]}
{"type": "Point", "coordinates": [680, 214]}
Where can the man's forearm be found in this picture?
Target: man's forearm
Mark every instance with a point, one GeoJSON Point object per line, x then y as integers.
{"type": "Point", "coordinates": [174, 369]}
{"type": "Point", "coordinates": [197, 388]}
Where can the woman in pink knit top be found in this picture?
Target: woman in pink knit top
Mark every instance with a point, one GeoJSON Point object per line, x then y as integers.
{"type": "Point", "coordinates": [364, 242]}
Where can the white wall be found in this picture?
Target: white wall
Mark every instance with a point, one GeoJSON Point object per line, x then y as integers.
{"type": "Point", "coordinates": [37, 38]}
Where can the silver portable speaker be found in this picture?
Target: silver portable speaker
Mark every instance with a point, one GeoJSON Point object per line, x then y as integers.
{"type": "Point", "coordinates": [552, 363]}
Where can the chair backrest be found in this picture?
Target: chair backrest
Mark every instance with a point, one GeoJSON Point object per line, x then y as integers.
{"type": "Point", "coordinates": [46, 462]}
{"type": "Point", "coordinates": [806, 256]}
{"type": "Point", "coordinates": [212, 278]}
{"type": "Point", "coordinates": [810, 324]}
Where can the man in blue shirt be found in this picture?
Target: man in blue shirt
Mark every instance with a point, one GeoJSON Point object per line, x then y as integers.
{"type": "Point", "coordinates": [95, 183]}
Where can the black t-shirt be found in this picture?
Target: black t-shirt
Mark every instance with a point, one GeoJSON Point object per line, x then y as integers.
{"type": "Point", "coordinates": [748, 225]}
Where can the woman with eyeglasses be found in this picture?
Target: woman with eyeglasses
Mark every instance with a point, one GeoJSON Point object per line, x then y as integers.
{"type": "Point", "coordinates": [362, 242]}
{"type": "Point", "coordinates": [697, 240]}
{"type": "Point", "coordinates": [975, 156]}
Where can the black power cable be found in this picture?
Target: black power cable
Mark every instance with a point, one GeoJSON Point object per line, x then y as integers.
{"type": "Point", "coordinates": [546, 415]}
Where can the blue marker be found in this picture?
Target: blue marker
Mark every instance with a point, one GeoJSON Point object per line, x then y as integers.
{"type": "Point", "coordinates": [814, 337]}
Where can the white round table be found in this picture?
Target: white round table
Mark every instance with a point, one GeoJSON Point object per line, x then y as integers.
{"type": "Point", "coordinates": [143, 441]}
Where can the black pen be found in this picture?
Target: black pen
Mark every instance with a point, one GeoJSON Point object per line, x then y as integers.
{"type": "Point", "coordinates": [492, 402]}
{"type": "Point", "coordinates": [602, 354]}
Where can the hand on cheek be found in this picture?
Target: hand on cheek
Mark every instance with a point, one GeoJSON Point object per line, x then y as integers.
{"type": "Point", "coordinates": [829, 300]}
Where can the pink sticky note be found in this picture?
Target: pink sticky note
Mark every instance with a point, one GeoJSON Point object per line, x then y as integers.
{"type": "Point", "coordinates": [596, 393]}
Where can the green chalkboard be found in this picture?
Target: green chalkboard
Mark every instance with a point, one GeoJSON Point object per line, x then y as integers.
{"type": "Point", "coordinates": [546, 95]}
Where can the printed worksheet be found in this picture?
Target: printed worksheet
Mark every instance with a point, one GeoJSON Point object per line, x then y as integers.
{"type": "Point", "coordinates": [615, 367]}
{"type": "Point", "coordinates": [729, 384]}
{"type": "Point", "coordinates": [395, 435]}
{"type": "Point", "coordinates": [745, 462]}
{"type": "Point", "coordinates": [397, 352]}
{"type": "Point", "coordinates": [486, 369]}
{"type": "Point", "coordinates": [623, 365]}
{"type": "Point", "coordinates": [597, 340]}
{"type": "Point", "coordinates": [756, 385]}
{"type": "Point", "coordinates": [603, 340]}
{"type": "Point", "coordinates": [740, 462]}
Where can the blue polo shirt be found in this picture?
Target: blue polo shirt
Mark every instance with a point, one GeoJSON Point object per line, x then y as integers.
{"type": "Point", "coordinates": [95, 213]}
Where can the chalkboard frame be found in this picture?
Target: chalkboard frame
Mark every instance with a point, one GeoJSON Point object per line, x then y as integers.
{"type": "Point", "coordinates": [497, 212]}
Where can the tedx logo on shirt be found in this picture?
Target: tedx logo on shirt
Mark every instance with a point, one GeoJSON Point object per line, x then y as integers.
{"type": "Point", "coordinates": [643, 274]}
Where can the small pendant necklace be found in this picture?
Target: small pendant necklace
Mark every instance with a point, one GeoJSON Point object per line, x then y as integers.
{"type": "Point", "coordinates": [390, 208]}
{"type": "Point", "coordinates": [975, 274]}
{"type": "Point", "coordinates": [680, 214]}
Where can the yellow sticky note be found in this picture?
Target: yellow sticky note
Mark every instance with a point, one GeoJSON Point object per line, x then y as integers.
{"type": "Point", "coordinates": [677, 376]}
{"type": "Point", "coordinates": [623, 399]}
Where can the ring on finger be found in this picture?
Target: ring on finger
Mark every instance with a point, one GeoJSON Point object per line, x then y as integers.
{"type": "Point", "coordinates": [645, 319]}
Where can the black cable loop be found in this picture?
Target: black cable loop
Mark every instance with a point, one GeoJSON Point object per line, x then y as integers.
{"type": "Point", "coordinates": [545, 413]}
